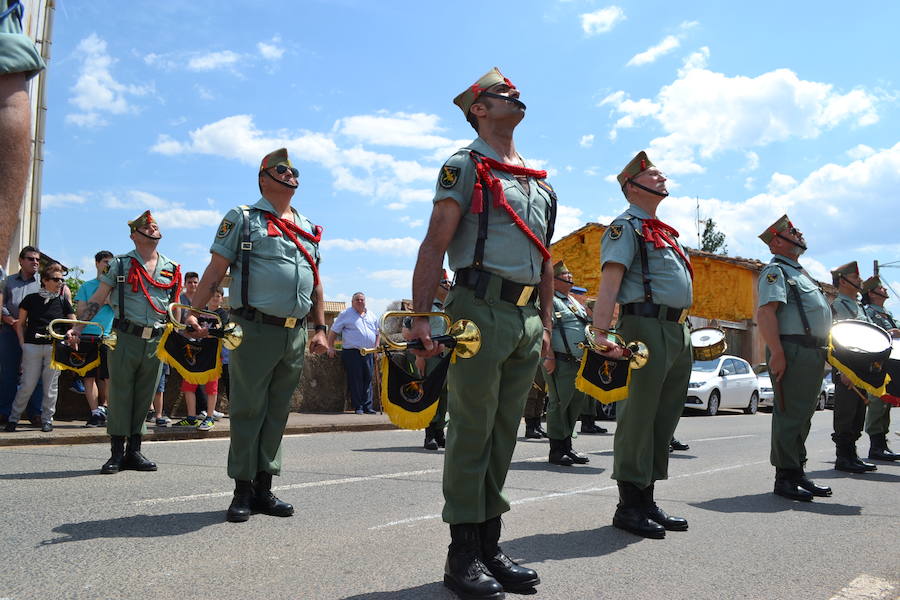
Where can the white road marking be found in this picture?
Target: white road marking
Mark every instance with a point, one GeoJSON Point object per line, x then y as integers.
{"type": "Point", "coordinates": [865, 587]}
{"type": "Point", "coordinates": [730, 437]}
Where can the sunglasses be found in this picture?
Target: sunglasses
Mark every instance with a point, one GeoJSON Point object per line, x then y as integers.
{"type": "Point", "coordinates": [33, 258]}
{"type": "Point", "coordinates": [280, 169]}
{"type": "Point", "coordinates": [56, 279]}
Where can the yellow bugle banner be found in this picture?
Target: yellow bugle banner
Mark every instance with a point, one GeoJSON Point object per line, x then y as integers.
{"type": "Point", "coordinates": [606, 379]}
{"type": "Point", "coordinates": [199, 360]}
{"type": "Point", "coordinates": [64, 357]}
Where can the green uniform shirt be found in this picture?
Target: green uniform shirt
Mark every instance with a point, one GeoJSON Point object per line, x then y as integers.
{"type": "Point", "coordinates": [881, 316]}
{"type": "Point", "coordinates": [773, 287]}
{"type": "Point", "coordinates": [507, 251]}
{"type": "Point", "coordinates": [670, 280]}
{"type": "Point", "coordinates": [844, 307]}
{"type": "Point", "coordinates": [137, 309]}
{"type": "Point", "coordinates": [281, 279]}
{"type": "Point", "coordinates": [569, 318]}
{"type": "Point", "coordinates": [18, 53]}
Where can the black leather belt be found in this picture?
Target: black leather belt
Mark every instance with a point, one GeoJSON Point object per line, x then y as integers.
{"type": "Point", "coordinates": [564, 357]}
{"type": "Point", "coordinates": [145, 332]}
{"type": "Point", "coordinates": [805, 340]}
{"type": "Point", "coordinates": [251, 314]}
{"type": "Point", "coordinates": [519, 294]}
{"type": "Point", "coordinates": [655, 311]}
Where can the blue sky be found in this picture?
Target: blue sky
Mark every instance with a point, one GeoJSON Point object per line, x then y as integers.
{"type": "Point", "coordinates": [754, 109]}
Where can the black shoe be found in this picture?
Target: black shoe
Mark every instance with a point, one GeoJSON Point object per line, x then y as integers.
{"type": "Point", "coordinates": [464, 572]}
{"type": "Point", "coordinates": [558, 454]}
{"type": "Point", "coordinates": [540, 429]}
{"type": "Point", "coordinates": [47, 427]}
{"type": "Point", "coordinates": [676, 445]}
{"type": "Point", "coordinates": [578, 459]}
{"type": "Point", "coordinates": [505, 570]}
{"type": "Point", "coordinates": [532, 425]}
{"type": "Point", "coordinates": [264, 501]}
{"type": "Point", "coordinates": [878, 450]}
{"type": "Point", "coordinates": [93, 420]}
{"type": "Point", "coordinates": [804, 482]}
{"type": "Point", "coordinates": [239, 510]}
{"type": "Point", "coordinates": [589, 427]}
{"type": "Point", "coordinates": [134, 460]}
{"type": "Point", "coordinates": [150, 416]}
{"type": "Point", "coordinates": [439, 437]}
{"type": "Point", "coordinates": [631, 514]}
{"type": "Point", "coordinates": [658, 515]}
{"type": "Point", "coordinates": [848, 464]}
{"type": "Point", "coordinates": [114, 464]}
{"type": "Point", "coordinates": [10, 426]}
{"type": "Point", "coordinates": [866, 466]}
{"type": "Point", "coordinates": [787, 487]}
{"type": "Point", "coordinates": [430, 442]}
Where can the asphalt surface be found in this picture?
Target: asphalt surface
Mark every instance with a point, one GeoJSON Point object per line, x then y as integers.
{"type": "Point", "coordinates": [367, 525]}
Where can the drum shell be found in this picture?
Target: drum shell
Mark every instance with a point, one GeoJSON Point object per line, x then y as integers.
{"type": "Point", "coordinates": [856, 360]}
{"type": "Point", "coordinates": [893, 370]}
{"type": "Point", "coordinates": [710, 351]}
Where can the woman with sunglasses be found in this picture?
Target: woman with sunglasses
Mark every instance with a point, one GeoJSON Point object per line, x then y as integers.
{"type": "Point", "coordinates": [35, 313]}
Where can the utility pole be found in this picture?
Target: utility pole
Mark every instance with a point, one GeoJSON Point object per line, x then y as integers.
{"type": "Point", "coordinates": [697, 198]}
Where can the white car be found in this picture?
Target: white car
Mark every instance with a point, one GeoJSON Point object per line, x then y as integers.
{"type": "Point", "coordinates": [726, 382]}
{"type": "Point", "coordinates": [766, 392]}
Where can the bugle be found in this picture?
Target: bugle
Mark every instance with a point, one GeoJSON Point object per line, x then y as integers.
{"type": "Point", "coordinates": [108, 340]}
{"type": "Point", "coordinates": [463, 335]}
{"type": "Point", "coordinates": [231, 334]}
{"type": "Point", "coordinates": [636, 352]}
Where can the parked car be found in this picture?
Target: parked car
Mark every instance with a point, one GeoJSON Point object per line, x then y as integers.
{"type": "Point", "coordinates": [766, 391]}
{"type": "Point", "coordinates": [726, 382]}
{"type": "Point", "coordinates": [826, 396]}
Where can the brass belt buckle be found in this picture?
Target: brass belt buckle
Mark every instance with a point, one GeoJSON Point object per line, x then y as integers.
{"type": "Point", "coordinates": [525, 295]}
{"type": "Point", "coordinates": [145, 333]}
{"type": "Point", "coordinates": [290, 322]}
{"type": "Point", "coordinates": [683, 316]}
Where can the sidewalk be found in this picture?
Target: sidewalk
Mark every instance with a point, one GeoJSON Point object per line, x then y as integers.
{"type": "Point", "coordinates": [73, 432]}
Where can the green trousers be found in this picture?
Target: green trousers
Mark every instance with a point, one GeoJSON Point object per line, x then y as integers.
{"type": "Point", "coordinates": [133, 376]}
{"type": "Point", "coordinates": [264, 372]}
{"type": "Point", "coordinates": [486, 399]}
{"type": "Point", "coordinates": [647, 418]}
{"type": "Point", "coordinates": [534, 405]}
{"type": "Point", "coordinates": [878, 416]}
{"type": "Point", "coordinates": [440, 416]}
{"type": "Point", "coordinates": [566, 404]}
{"type": "Point", "coordinates": [800, 386]}
{"type": "Point", "coordinates": [849, 414]}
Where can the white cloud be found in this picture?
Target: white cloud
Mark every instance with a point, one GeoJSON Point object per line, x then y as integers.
{"type": "Point", "coordinates": [213, 60]}
{"type": "Point", "coordinates": [601, 21]}
{"type": "Point", "coordinates": [667, 45]}
{"type": "Point", "coordinates": [61, 200]}
{"type": "Point", "coordinates": [586, 141]}
{"type": "Point", "coordinates": [860, 151]}
{"type": "Point", "coordinates": [171, 215]}
{"type": "Point", "coordinates": [413, 223]}
{"type": "Point", "coordinates": [781, 183]}
{"type": "Point", "coordinates": [405, 130]}
{"type": "Point", "coordinates": [396, 278]}
{"type": "Point", "coordinates": [707, 113]}
{"type": "Point", "coordinates": [96, 92]}
{"type": "Point", "coordinates": [406, 246]}
{"type": "Point", "coordinates": [271, 50]}
{"type": "Point", "coordinates": [568, 219]}
{"type": "Point", "coordinates": [752, 161]}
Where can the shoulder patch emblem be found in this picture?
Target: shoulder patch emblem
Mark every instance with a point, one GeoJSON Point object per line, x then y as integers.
{"type": "Point", "coordinates": [224, 228]}
{"type": "Point", "coordinates": [449, 176]}
{"type": "Point", "coordinates": [106, 269]}
{"type": "Point", "coordinates": [168, 274]}
{"type": "Point", "coordinates": [615, 232]}
{"type": "Point", "coordinates": [771, 278]}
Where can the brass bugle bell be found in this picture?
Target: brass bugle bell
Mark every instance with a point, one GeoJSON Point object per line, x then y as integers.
{"type": "Point", "coordinates": [636, 351]}
{"type": "Point", "coordinates": [232, 335]}
{"type": "Point", "coordinates": [463, 335]}
{"type": "Point", "coordinates": [109, 339]}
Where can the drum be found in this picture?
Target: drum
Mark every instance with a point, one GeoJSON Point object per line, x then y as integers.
{"type": "Point", "coordinates": [893, 370]}
{"type": "Point", "coordinates": [860, 351]}
{"type": "Point", "coordinates": [708, 343]}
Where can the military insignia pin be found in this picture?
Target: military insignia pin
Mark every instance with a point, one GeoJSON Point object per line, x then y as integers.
{"type": "Point", "coordinates": [615, 232]}
{"type": "Point", "coordinates": [224, 228]}
{"type": "Point", "coordinates": [449, 177]}
{"type": "Point", "coordinates": [771, 278]}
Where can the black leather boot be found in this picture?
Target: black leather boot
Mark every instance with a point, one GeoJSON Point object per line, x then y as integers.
{"type": "Point", "coordinates": [578, 459]}
{"type": "Point", "coordinates": [878, 449]}
{"type": "Point", "coordinates": [439, 436]}
{"type": "Point", "coordinates": [660, 516]}
{"type": "Point", "coordinates": [430, 442]}
{"type": "Point", "coordinates": [846, 459]}
{"type": "Point", "coordinates": [134, 460]}
{"type": "Point", "coordinates": [631, 514]}
{"type": "Point", "coordinates": [464, 572]}
{"type": "Point", "coordinates": [511, 576]}
{"type": "Point", "coordinates": [264, 501]}
{"type": "Point", "coordinates": [558, 454]}
{"type": "Point", "coordinates": [786, 486]}
{"type": "Point", "coordinates": [240, 510]}
{"type": "Point", "coordinates": [539, 428]}
{"type": "Point", "coordinates": [589, 426]}
{"type": "Point", "coordinates": [676, 445]}
{"type": "Point", "coordinates": [801, 480]}
{"type": "Point", "coordinates": [114, 464]}
{"type": "Point", "coordinates": [531, 428]}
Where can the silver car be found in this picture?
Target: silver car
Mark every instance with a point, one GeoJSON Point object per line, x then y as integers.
{"type": "Point", "coordinates": [726, 382]}
{"type": "Point", "coordinates": [767, 393]}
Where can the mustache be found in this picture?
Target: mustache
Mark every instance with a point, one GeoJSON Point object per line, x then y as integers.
{"type": "Point", "coordinates": [284, 183]}
{"type": "Point", "coordinates": [159, 237]}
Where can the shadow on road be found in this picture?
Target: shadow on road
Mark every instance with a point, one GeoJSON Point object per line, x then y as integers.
{"type": "Point", "coordinates": [51, 474]}
{"type": "Point", "coordinates": [546, 466]}
{"type": "Point", "coordinates": [137, 526]}
{"type": "Point", "coordinates": [573, 544]}
{"type": "Point", "coordinates": [870, 476]}
{"type": "Point", "coordinates": [770, 503]}
{"type": "Point", "coordinates": [435, 591]}
{"type": "Point", "coordinates": [413, 449]}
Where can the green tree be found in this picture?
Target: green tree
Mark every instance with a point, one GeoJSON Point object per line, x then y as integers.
{"type": "Point", "coordinates": [712, 240]}
{"type": "Point", "coordinates": [74, 279]}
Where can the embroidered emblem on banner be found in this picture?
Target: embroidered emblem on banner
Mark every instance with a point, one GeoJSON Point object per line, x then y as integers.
{"type": "Point", "coordinates": [449, 177]}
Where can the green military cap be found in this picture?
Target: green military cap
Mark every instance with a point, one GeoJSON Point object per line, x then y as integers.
{"type": "Point", "coordinates": [274, 158]}
{"type": "Point", "coordinates": [849, 268]}
{"type": "Point", "coordinates": [466, 99]}
{"type": "Point", "coordinates": [145, 219]}
{"type": "Point", "coordinates": [775, 228]}
{"type": "Point", "coordinates": [871, 283]}
{"type": "Point", "coordinates": [560, 267]}
{"type": "Point", "coordinates": [638, 165]}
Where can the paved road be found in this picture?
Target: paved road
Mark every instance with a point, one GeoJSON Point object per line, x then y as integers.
{"type": "Point", "coordinates": [368, 528]}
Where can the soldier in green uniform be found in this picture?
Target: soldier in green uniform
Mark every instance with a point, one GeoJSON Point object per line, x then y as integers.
{"type": "Point", "coordinates": [273, 252]}
{"type": "Point", "coordinates": [647, 271]}
{"type": "Point", "coordinates": [139, 285]}
{"type": "Point", "coordinates": [878, 412]}
{"type": "Point", "coordinates": [534, 407]}
{"type": "Point", "coordinates": [794, 319]}
{"type": "Point", "coordinates": [849, 401]}
{"type": "Point", "coordinates": [566, 402]}
{"type": "Point", "coordinates": [493, 216]}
